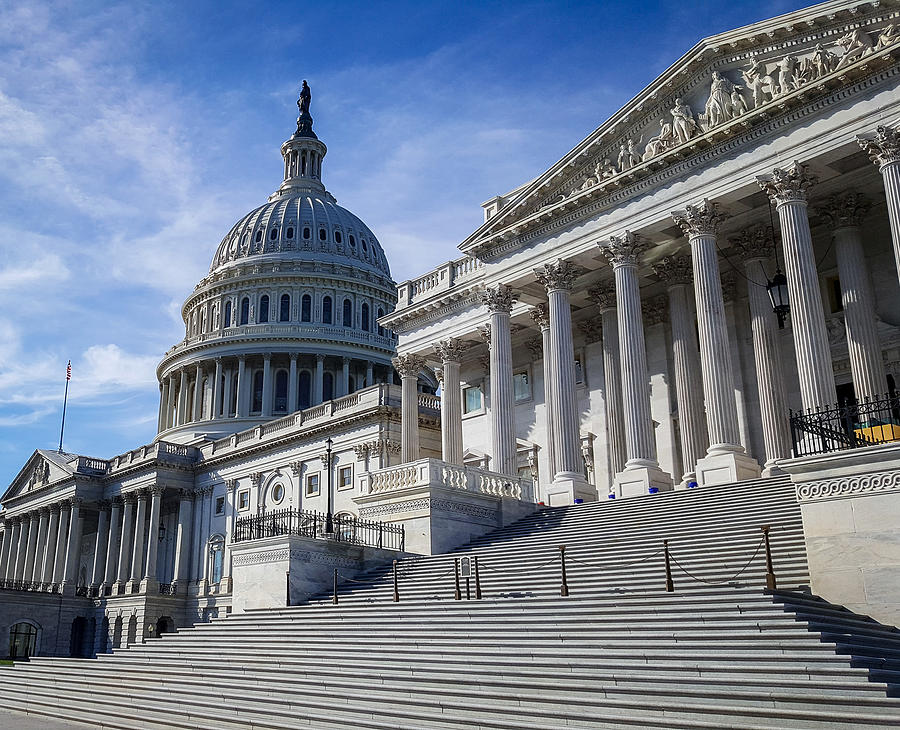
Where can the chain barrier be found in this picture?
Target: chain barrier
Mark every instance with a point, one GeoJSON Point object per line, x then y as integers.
{"type": "Point", "coordinates": [720, 582]}
{"type": "Point", "coordinates": [617, 565]}
{"type": "Point", "coordinates": [526, 570]}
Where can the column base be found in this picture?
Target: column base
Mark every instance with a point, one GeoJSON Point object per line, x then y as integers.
{"type": "Point", "coordinates": [568, 487]}
{"type": "Point", "coordinates": [771, 469]}
{"type": "Point", "coordinates": [726, 468]}
{"type": "Point", "coordinates": [150, 586]}
{"type": "Point", "coordinates": [687, 480]}
{"type": "Point", "coordinates": [639, 480]}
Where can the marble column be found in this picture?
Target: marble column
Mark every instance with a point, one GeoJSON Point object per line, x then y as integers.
{"type": "Point", "coordinates": [150, 568]}
{"type": "Point", "coordinates": [194, 561]}
{"type": "Point", "coordinates": [726, 460]}
{"type": "Point", "coordinates": [756, 247]}
{"type": "Point", "coordinates": [62, 535]}
{"type": "Point", "coordinates": [231, 486]}
{"type": "Point", "coordinates": [319, 381]}
{"type": "Point", "coordinates": [198, 394]}
{"type": "Point", "coordinates": [242, 399]}
{"type": "Point", "coordinates": [540, 315]}
{"type": "Point", "coordinates": [498, 302]}
{"type": "Point", "coordinates": [181, 412]}
{"type": "Point", "coordinates": [677, 273]}
{"type": "Point", "coordinates": [97, 573]}
{"type": "Point", "coordinates": [845, 213]}
{"type": "Point", "coordinates": [31, 546]}
{"type": "Point", "coordinates": [40, 546]}
{"type": "Point", "coordinates": [140, 531]}
{"type": "Point", "coordinates": [112, 547]}
{"type": "Point", "coordinates": [128, 501]}
{"type": "Point", "coordinates": [10, 537]}
{"type": "Point", "coordinates": [292, 385]}
{"type": "Point", "coordinates": [50, 554]}
{"type": "Point", "coordinates": [345, 376]}
{"type": "Point", "coordinates": [170, 404]}
{"type": "Point", "coordinates": [787, 188]}
{"type": "Point", "coordinates": [182, 540]}
{"type": "Point", "coordinates": [267, 385]}
{"type": "Point", "coordinates": [883, 148]}
{"type": "Point", "coordinates": [641, 470]}
{"type": "Point", "coordinates": [604, 296]}
{"type": "Point", "coordinates": [409, 366]}
{"type": "Point", "coordinates": [22, 548]}
{"type": "Point", "coordinates": [73, 545]}
{"type": "Point", "coordinates": [569, 482]}
{"type": "Point", "coordinates": [370, 375]}
{"type": "Point", "coordinates": [217, 390]}
{"type": "Point", "coordinates": [163, 399]}
{"type": "Point", "coordinates": [450, 352]}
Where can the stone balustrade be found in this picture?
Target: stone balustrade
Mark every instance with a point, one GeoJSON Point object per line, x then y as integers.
{"type": "Point", "coordinates": [438, 280]}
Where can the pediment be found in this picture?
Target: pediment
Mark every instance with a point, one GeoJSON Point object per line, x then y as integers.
{"type": "Point", "coordinates": [43, 468]}
{"type": "Point", "coordinates": [726, 86]}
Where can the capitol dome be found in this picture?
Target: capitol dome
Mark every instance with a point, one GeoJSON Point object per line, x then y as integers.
{"type": "Point", "coordinates": [288, 315]}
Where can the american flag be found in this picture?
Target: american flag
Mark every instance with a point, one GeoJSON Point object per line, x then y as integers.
{"type": "Point", "coordinates": [69, 371]}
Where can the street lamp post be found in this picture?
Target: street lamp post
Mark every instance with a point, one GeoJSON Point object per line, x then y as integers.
{"type": "Point", "coordinates": [329, 521]}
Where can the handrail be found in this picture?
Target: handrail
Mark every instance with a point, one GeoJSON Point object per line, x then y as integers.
{"type": "Point", "coordinates": [850, 425]}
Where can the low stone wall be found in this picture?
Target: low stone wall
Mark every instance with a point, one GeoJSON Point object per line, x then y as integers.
{"type": "Point", "coordinates": [850, 502]}
{"type": "Point", "coordinates": [289, 569]}
{"type": "Point", "coordinates": [51, 614]}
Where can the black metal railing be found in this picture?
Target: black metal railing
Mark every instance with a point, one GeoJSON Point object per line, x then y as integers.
{"type": "Point", "coordinates": [346, 528]}
{"type": "Point", "coordinates": [167, 589]}
{"type": "Point", "coordinates": [27, 585]}
{"type": "Point", "coordinates": [847, 426]}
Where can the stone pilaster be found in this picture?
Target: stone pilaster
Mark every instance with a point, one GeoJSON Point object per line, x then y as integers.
{"type": "Point", "coordinates": [883, 148]}
{"type": "Point", "coordinates": [267, 385]}
{"type": "Point", "coordinates": [756, 248]}
{"type": "Point", "coordinates": [112, 547]}
{"type": "Point", "coordinates": [127, 539]}
{"type": "Point", "coordinates": [73, 546]}
{"type": "Point", "coordinates": [540, 315]}
{"type": "Point", "coordinates": [641, 468]}
{"type": "Point", "coordinates": [409, 366]}
{"type": "Point", "coordinates": [100, 546]}
{"type": "Point", "coordinates": [845, 214]}
{"type": "Point", "coordinates": [450, 352]}
{"type": "Point", "coordinates": [676, 272]}
{"type": "Point", "coordinates": [140, 530]}
{"type": "Point", "coordinates": [499, 303]}
{"type": "Point", "coordinates": [725, 459]}
{"type": "Point", "coordinates": [217, 390]}
{"type": "Point", "coordinates": [787, 188]}
{"type": "Point", "coordinates": [569, 482]}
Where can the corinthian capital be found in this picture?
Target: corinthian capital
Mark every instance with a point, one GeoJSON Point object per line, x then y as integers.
{"type": "Point", "coordinates": [883, 147]}
{"type": "Point", "coordinates": [754, 243]}
{"type": "Point", "coordinates": [499, 299]}
{"type": "Point", "coordinates": [624, 250]}
{"type": "Point", "coordinates": [789, 185]}
{"type": "Point", "coordinates": [845, 210]}
{"type": "Point", "coordinates": [540, 315]}
{"type": "Point", "coordinates": [699, 220]}
{"type": "Point", "coordinates": [674, 270]}
{"type": "Point", "coordinates": [408, 365]}
{"type": "Point", "coordinates": [451, 350]}
{"type": "Point", "coordinates": [604, 295]}
{"type": "Point", "coordinates": [558, 275]}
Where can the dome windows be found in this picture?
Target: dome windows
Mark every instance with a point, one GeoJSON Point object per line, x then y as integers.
{"type": "Point", "coordinates": [306, 233]}
{"type": "Point", "coordinates": [353, 240]}
{"type": "Point", "coordinates": [306, 308]}
{"type": "Point", "coordinates": [245, 310]}
{"type": "Point", "coordinates": [284, 311]}
{"type": "Point", "coordinates": [274, 234]}
{"type": "Point", "coordinates": [323, 234]}
{"type": "Point", "coordinates": [228, 313]}
{"type": "Point", "coordinates": [281, 391]}
{"type": "Point", "coordinates": [380, 328]}
{"type": "Point", "coordinates": [365, 248]}
{"type": "Point", "coordinates": [259, 236]}
{"type": "Point", "coordinates": [337, 237]}
{"type": "Point", "coordinates": [263, 309]}
{"type": "Point", "coordinates": [348, 313]}
{"type": "Point", "coordinates": [326, 310]}
{"type": "Point", "coordinates": [365, 316]}
{"type": "Point", "coordinates": [289, 233]}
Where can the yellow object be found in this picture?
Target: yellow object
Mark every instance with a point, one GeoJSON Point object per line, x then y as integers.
{"type": "Point", "coordinates": [880, 434]}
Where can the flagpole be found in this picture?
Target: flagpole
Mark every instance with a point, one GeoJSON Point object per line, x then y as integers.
{"type": "Point", "coordinates": [62, 427]}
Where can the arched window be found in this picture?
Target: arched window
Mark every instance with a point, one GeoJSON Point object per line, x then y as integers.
{"type": "Point", "coordinates": [353, 240]}
{"type": "Point", "coordinates": [365, 316]}
{"type": "Point", "coordinates": [306, 308]}
{"type": "Point", "coordinates": [322, 234]}
{"type": "Point", "coordinates": [259, 236]}
{"type": "Point", "coordinates": [284, 310]}
{"type": "Point", "coordinates": [216, 552]}
{"type": "Point", "coordinates": [228, 313]}
{"type": "Point", "coordinates": [290, 232]}
{"type": "Point", "coordinates": [22, 640]}
{"type": "Point", "coordinates": [327, 386]}
{"type": "Point", "coordinates": [233, 406]}
{"type": "Point", "coordinates": [245, 310]}
{"type": "Point", "coordinates": [303, 164]}
{"type": "Point", "coordinates": [326, 310]}
{"type": "Point", "coordinates": [263, 308]}
{"type": "Point", "coordinates": [274, 234]}
{"type": "Point", "coordinates": [281, 391]}
{"type": "Point", "coordinates": [337, 237]}
{"type": "Point", "coordinates": [380, 328]}
{"type": "Point", "coordinates": [305, 389]}
{"type": "Point", "coordinates": [257, 391]}
{"type": "Point", "coordinates": [348, 313]}
{"type": "Point", "coordinates": [306, 233]}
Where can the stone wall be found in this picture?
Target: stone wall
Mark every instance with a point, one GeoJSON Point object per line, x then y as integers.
{"type": "Point", "coordinates": [53, 616]}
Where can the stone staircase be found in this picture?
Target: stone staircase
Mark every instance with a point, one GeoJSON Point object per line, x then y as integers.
{"type": "Point", "coordinates": [619, 652]}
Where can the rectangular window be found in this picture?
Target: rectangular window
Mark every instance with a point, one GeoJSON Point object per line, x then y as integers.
{"type": "Point", "coordinates": [522, 385]}
{"type": "Point", "coordinates": [473, 399]}
{"type": "Point", "coordinates": [312, 485]}
{"type": "Point", "coordinates": [345, 477]}
{"type": "Point", "coordinates": [244, 500]}
{"type": "Point", "coordinates": [220, 505]}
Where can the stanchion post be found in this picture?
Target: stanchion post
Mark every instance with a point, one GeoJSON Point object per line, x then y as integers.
{"type": "Point", "coordinates": [334, 598]}
{"type": "Point", "coordinates": [396, 589]}
{"type": "Point", "coordinates": [457, 594]}
{"type": "Point", "coordinates": [770, 569]}
{"type": "Point", "coordinates": [468, 589]}
{"type": "Point", "coordinates": [477, 581]}
{"type": "Point", "coordinates": [564, 586]}
{"type": "Point", "coordinates": [670, 585]}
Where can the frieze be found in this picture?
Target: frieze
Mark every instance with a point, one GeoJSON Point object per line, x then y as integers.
{"type": "Point", "coordinates": [428, 503]}
{"type": "Point", "coordinates": [850, 486]}
{"type": "Point", "coordinates": [283, 554]}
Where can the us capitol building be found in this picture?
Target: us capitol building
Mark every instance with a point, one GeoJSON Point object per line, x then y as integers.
{"type": "Point", "coordinates": [703, 291]}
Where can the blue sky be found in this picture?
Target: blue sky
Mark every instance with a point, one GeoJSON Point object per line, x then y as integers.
{"type": "Point", "coordinates": [133, 135]}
